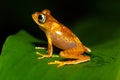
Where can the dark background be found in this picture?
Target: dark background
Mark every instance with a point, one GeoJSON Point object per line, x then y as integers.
{"type": "Point", "coordinates": [16, 14]}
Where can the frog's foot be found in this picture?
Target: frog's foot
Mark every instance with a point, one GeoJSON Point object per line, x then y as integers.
{"type": "Point", "coordinates": [60, 63]}
{"type": "Point", "coordinates": [45, 56]}
{"type": "Point", "coordinates": [76, 61]}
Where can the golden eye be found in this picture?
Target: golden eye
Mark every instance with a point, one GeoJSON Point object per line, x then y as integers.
{"type": "Point", "coordinates": [41, 18]}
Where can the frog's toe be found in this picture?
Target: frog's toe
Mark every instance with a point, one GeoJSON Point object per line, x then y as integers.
{"type": "Point", "coordinates": [40, 47]}
{"type": "Point", "coordinates": [59, 65]}
{"type": "Point", "coordinates": [57, 62]}
{"type": "Point", "coordinates": [42, 55]}
{"type": "Point", "coordinates": [39, 54]}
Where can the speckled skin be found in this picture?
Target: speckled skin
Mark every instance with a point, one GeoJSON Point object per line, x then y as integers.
{"type": "Point", "coordinates": [63, 38]}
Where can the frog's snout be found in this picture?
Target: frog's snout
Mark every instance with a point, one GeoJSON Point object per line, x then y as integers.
{"type": "Point", "coordinates": [35, 15]}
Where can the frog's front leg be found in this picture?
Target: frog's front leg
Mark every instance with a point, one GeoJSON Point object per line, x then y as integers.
{"type": "Point", "coordinates": [75, 54]}
{"type": "Point", "coordinates": [50, 48]}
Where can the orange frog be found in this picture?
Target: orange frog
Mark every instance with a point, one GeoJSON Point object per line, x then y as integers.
{"type": "Point", "coordinates": [62, 37]}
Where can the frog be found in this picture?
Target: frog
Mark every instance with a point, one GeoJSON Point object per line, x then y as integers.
{"type": "Point", "coordinates": [61, 37]}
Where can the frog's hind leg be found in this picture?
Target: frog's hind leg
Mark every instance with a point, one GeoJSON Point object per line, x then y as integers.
{"type": "Point", "coordinates": [74, 55]}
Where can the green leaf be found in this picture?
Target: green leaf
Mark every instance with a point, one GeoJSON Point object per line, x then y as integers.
{"type": "Point", "coordinates": [18, 60]}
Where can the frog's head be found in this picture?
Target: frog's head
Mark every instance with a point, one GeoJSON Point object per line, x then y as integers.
{"type": "Point", "coordinates": [44, 19]}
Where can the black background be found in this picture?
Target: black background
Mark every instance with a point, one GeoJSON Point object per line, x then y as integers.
{"type": "Point", "coordinates": [16, 14]}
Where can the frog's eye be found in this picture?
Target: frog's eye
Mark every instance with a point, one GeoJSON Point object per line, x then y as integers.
{"type": "Point", "coordinates": [41, 18]}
